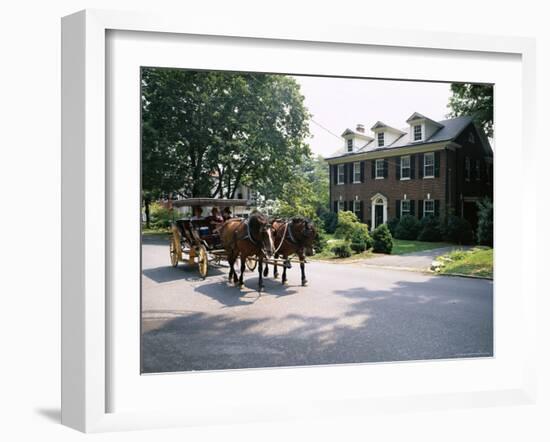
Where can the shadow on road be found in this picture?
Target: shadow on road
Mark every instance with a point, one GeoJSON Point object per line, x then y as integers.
{"type": "Point", "coordinates": [407, 321]}
{"type": "Point", "coordinates": [182, 272]}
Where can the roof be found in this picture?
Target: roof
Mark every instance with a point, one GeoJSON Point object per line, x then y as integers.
{"type": "Point", "coordinates": [419, 116]}
{"type": "Point", "coordinates": [356, 134]}
{"type": "Point", "coordinates": [192, 202]}
{"type": "Point", "coordinates": [449, 131]}
{"type": "Point", "coordinates": [381, 125]}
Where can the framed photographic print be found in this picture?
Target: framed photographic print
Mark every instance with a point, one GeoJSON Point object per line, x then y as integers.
{"type": "Point", "coordinates": [275, 223]}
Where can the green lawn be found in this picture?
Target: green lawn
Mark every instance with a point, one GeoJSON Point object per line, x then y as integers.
{"type": "Point", "coordinates": [401, 246]}
{"type": "Point", "coordinates": [475, 262]}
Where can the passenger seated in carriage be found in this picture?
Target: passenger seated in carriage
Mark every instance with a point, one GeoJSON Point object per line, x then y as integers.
{"type": "Point", "coordinates": [226, 213]}
{"type": "Point", "coordinates": [216, 219]}
{"type": "Point", "coordinates": [197, 213]}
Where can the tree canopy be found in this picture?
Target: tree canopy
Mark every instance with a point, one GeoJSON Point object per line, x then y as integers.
{"type": "Point", "coordinates": [475, 100]}
{"type": "Point", "coordinates": [204, 133]}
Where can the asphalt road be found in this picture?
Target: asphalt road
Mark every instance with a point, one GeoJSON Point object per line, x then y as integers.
{"type": "Point", "coordinates": [349, 313]}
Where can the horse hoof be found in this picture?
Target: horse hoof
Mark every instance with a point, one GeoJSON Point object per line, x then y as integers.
{"type": "Point", "coordinates": [304, 283]}
{"type": "Point", "coordinates": [285, 282]}
{"type": "Point", "coordinates": [240, 285]}
{"type": "Point", "coordinates": [275, 276]}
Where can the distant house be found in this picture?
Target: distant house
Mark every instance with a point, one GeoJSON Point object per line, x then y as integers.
{"type": "Point", "coordinates": [430, 167]}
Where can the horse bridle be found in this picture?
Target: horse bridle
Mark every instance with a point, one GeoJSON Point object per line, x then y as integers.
{"type": "Point", "coordinates": [287, 235]}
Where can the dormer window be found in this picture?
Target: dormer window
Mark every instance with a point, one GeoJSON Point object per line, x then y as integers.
{"type": "Point", "coordinates": [380, 137]}
{"type": "Point", "coordinates": [350, 145]}
{"type": "Point", "coordinates": [417, 128]}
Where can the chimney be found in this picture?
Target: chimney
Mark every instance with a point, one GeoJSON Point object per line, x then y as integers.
{"type": "Point", "coordinates": [360, 128]}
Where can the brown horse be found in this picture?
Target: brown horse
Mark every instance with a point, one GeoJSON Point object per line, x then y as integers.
{"type": "Point", "coordinates": [244, 238]}
{"type": "Point", "coordinates": [293, 237]}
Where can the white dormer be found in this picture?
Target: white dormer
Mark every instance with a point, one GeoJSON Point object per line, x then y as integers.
{"type": "Point", "coordinates": [355, 139]}
{"type": "Point", "coordinates": [421, 128]}
{"type": "Point", "coordinates": [385, 135]}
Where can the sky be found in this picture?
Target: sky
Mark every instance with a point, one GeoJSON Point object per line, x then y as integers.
{"type": "Point", "coordinates": [340, 103]}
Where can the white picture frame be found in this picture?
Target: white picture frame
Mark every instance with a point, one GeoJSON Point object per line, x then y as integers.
{"type": "Point", "coordinates": [85, 209]}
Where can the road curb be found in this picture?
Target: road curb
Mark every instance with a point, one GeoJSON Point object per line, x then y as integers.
{"type": "Point", "coordinates": [462, 276]}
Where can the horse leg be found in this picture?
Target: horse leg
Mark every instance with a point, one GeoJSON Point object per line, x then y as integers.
{"type": "Point", "coordinates": [283, 279]}
{"type": "Point", "coordinates": [266, 271]}
{"type": "Point", "coordinates": [243, 268]}
{"type": "Point", "coordinates": [275, 271]}
{"type": "Point", "coordinates": [260, 273]}
{"type": "Point", "coordinates": [231, 262]}
{"type": "Point", "coordinates": [303, 268]}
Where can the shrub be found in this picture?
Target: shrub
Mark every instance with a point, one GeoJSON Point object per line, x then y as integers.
{"type": "Point", "coordinates": [392, 224]}
{"type": "Point", "coordinates": [382, 239]}
{"type": "Point", "coordinates": [342, 250]}
{"type": "Point", "coordinates": [457, 230]}
{"type": "Point", "coordinates": [407, 228]}
{"type": "Point", "coordinates": [429, 229]}
{"type": "Point", "coordinates": [330, 221]}
{"type": "Point", "coordinates": [360, 239]}
{"type": "Point", "coordinates": [484, 233]}
{"type": "Point", "coordinates": [320, 242]}
{"type": "Point", "coordinates": [347, 221]}
{"type": "Point", "coordinates": [161, 217]}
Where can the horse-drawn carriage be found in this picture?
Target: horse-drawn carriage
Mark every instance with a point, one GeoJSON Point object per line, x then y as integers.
{"type": "Point", "coordinates": [253, 239]}
{"type": "Point", "coordinates": [195, 239]}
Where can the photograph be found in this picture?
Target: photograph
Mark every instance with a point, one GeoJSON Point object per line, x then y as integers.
{"type": "Point", "coordinates": [302, 220]}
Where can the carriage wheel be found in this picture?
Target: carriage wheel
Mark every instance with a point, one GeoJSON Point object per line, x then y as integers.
{"type": "Point", "coordinates": [174, 258]}
{"type": "Point", "coordinates": [251, 263]}
{"type": "Point", "coordinates": [202, 260]}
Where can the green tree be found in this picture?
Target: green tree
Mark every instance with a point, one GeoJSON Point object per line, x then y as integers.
{"type": "Point", "coordinates": [205, 133]}
{"type": "Point", "coordinates": [475, 100]}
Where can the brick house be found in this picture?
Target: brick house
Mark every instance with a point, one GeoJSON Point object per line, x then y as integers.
{"type": "Point", "coordinates": [428, 168]}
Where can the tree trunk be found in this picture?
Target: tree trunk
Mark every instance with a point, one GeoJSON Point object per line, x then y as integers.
{"type": "Point", "coordinates": [147, 203]}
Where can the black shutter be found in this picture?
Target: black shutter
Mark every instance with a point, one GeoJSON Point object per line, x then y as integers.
{"type": "Point", "coordinates": [398, 208]}
{"type": "Point", "coordinates": [373, 169]}
{"type": "Point", "coordinates": [350, 207]}
{"type": "Point", "coordinates": [335, 174]}
{"type": "Point", "coordinates": [436, 208]}
{"type": "Point", "coordinates": [361, 216]}
{"type": "Point", "coordinates": [436, 163]}
{"type": "Point", "coordinates": [385, 168]}
{"type": "Point", "coordinates": [335, 206]}
{"type": "Point", "coordinates": [351, 166]}
{"type": "Point", "coordinates": [413, 166]}
{"type": "Point", "coordinates": [421, 165]}
{"type": "Point", "coordinates": [345, 206]}
{"type": "Point", "coordinates": [398, 168]}
{"type": "Point", "coordinates": [420, 209]}
{"type": "Point", "coordinates": [362, 167]}
{"type": "Point", "coordinates": [412, 207]}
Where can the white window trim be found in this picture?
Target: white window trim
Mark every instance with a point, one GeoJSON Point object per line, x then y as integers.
{"type": "Point", "coordinates": [340, 202]}
{"type": "Point", "coordinates": [376, 169]}
{"type": "Point", "coordinates": [408, 212]}
{"type": "Point", "coordinates": [432, 154]}
{"type": "Point", "coordinates": [348, 144]}
{"type": "Point", "coordinates": [358, 164]}
{"type": "Point", "coordinates": [402, 178]}
{"type": "Point", "coordinates": [431, 212]}
{"type": "Point", "coordinates": [338, 182]}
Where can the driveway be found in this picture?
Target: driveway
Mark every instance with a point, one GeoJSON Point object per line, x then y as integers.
{"type": "Point", "coordinates": [348, 314]}
{"type": "Point", "coordinates": [418, 261]}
